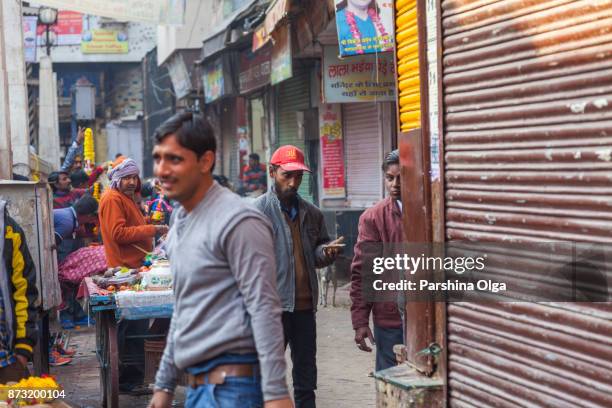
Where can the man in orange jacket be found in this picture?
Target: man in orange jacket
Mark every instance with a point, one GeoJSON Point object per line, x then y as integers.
{"type": "Point", "coordinates": [124, 231]}
{"type": "Point", "coordinates": [126, 238]}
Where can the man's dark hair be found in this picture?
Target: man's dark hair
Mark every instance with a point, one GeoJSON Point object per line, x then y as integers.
{"type": "Point", "coordinates": [391, 158]}
{"type": "Point", "coordinates": [78, 178]}
{"type": "Point", "coordinates": [254, 156]}
{"type": "Point", "coordinates": [192, 132]}
{"type": "Point", "coordinates": [86, 205]}
{"type": "Point", "coordinates": [118, 155]}
{"type": "Point", "coordinates": [54, 178]}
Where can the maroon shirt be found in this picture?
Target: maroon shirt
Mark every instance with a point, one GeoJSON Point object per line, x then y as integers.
{"type": "Point", "coordinates": [379, 224]}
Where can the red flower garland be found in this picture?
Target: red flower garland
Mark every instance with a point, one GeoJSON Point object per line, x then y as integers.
{"type": "Point", "coordinates": [350, 19]}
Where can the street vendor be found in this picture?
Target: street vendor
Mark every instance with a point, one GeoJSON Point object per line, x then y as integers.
{"type": "Point", "coordinates": [127, 239]}
{"type": "Point", "coordinates": [125, 234]}
{"type": "Point", "coordinates": [18, 296]}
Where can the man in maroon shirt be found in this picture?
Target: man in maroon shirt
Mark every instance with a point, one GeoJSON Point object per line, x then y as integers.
{"type": "Point", "coordinates": [379, 224]}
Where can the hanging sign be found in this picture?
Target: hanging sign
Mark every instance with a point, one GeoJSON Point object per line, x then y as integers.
{"type": "Point", "coordinates": [282, 61]}
{"type": "Point", "coordinates": [364, 27]}
{"type": "Point", "coordinates": [363, 78]}
{"type": "Point", "coordinates": [332, 151]}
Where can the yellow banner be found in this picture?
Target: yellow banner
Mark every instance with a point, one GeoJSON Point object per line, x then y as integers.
{"type": "Point", "coordinates": [104, 42]}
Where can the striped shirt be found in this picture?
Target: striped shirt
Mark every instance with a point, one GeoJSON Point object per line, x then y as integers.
{"type": "Point", "coordinates": [7, 357]}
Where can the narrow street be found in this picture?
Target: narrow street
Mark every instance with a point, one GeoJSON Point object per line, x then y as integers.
{"type": "Point", "coordinates": [343, 370]}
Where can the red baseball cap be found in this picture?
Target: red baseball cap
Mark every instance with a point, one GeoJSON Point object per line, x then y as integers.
{"type": "Point", "coordinates": [289, 158]}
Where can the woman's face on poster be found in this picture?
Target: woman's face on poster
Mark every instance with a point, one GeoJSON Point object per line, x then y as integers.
{"type": "Point", "coordinates": [359, 3]}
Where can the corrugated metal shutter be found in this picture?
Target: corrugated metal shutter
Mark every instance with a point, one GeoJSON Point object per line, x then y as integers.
{"type": "Point", "coordinates": [294, 96]}
{"type": "Point", "coordinates": [363, 147]}
{"type": "Point", "coordinates": [528, 137]}
{"type": "Point", "coordinates": [407, 39]}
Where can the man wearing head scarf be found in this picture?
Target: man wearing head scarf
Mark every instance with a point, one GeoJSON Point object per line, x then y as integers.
{"type": "Point", "coordinates": [126, 238]}
{"type": "Point", "coordinates": [125, 234]}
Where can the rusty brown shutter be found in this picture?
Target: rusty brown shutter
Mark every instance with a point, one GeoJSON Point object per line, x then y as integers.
{"type": "Point", "coordinates": [528, 143]}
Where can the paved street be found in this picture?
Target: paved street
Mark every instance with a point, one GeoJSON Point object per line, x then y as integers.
{"type": "Point", "coordinates": [343, 370]}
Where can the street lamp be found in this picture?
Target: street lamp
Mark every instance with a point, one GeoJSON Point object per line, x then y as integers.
{"type": "Point", "coordinates": [48, 17]}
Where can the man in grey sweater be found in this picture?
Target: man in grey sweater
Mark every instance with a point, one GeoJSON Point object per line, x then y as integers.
{"type": "Point", "coordinates": [226, 330]}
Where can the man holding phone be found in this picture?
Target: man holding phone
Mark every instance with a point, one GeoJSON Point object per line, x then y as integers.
{"type": "Point", "coordinates": [301, 245]}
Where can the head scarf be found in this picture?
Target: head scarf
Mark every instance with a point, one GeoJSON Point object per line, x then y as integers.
{"type": "Point", "coordinates": [122, 167]}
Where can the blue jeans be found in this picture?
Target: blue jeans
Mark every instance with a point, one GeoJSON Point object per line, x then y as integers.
{"type": "Point", "coordinates": [385, 340]}
{"type": "Point", "coordinates": [243, 392]}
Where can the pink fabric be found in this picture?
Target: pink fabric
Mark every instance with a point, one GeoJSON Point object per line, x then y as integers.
{"type": "Point", "coordinates": [82, 263]}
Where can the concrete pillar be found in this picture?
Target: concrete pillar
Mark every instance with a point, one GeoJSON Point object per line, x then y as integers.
{"type": "Point", "coordinates": [49, 142]}
{"type": "Point", "coordinates": [17, 87]}
{"type": "Point", "coordinates": [6, 160]}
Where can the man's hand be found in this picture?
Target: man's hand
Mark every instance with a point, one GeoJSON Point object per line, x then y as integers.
{"type": "Point", "coordinates": [281, 403]}
{"type": "Point", "coordinates": [80, 135]}
{"type": "Point", "coordinates": [333, 248]}
{"type": "Point", "coordinates": [360, 338]}
{"type": "Point", "coordinates": [161, 229]}
{"type": "Point", "coordinates": [161, 399]}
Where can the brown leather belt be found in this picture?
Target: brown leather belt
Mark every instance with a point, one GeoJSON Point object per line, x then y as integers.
{"type": "Point", "coordinates": [218, 374]}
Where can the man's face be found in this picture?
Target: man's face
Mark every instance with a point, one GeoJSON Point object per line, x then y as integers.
{"type": "Point", "coordinates": [63, 183]}
{"type": "Point", "coordinates": [179, 170]}
{"type": "Point", "coordinates": [393, 182]}
{"type": "Point", "coordinates": [287, 183]}
{"type": "Point", "coordinates": [253, 163]}
{"type": "Point", "coordinates": [78, 164]}
{"type": "Point", "coordinates": [128, 185]}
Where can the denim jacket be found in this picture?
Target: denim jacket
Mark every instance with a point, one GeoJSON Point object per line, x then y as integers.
{"type": "Point", "coordinates": [314, 237]}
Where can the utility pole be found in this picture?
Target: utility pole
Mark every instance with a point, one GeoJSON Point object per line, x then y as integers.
{"type": "Point", "coordinates": [6, 155]}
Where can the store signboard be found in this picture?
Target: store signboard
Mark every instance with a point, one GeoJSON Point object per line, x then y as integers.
{"type": "Point", "coordinates": [104, 42]}
{"type": "Point", "coordinates": [255, 69]}
{"type": "Point", "coordinates": [332, 151]}
{"type": "Point", "coordinates": [363, 78]}
{"type": "Point", "coordinates": [214, 84]}
{"type": "Point", "coordinates": [282, 61]}
{"type": "Point", "coordinates": [364, 27]}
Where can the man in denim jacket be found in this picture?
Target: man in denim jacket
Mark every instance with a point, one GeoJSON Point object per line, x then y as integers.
{"type": "Point", "coordinates": [301, 245]}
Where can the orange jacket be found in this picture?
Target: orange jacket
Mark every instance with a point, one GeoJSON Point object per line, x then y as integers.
{"type": "Point", "coordinates": [123, 226]}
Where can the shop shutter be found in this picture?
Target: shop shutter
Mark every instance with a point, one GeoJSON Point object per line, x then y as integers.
{"type": "Point", "coordinates": [294, 96]}
{"type": "Point", "coordinates": [363, 147]}
{"type": "Point", "coordinates": [407, 40]}
{"type": "Point", "coordinates": [528, 140]}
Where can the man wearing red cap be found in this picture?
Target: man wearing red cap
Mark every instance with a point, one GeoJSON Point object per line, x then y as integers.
{"type": "Point", "coordinates": [301, 245]}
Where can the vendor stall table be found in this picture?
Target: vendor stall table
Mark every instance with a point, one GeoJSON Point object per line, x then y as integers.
{"type": "Point", "coordinates": [109, 308]}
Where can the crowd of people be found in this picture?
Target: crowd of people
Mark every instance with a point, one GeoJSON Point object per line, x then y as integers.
{"type": "Point", "coordinates": [245, 279]}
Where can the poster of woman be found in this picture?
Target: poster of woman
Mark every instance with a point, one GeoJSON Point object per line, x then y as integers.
{"type": "Point", "coordinates": [364, 26]}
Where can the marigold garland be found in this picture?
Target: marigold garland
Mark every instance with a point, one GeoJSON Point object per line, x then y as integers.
{"type": "Point", "coordinates": [88, 151]}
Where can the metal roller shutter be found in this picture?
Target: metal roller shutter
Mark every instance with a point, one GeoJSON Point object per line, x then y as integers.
{"type": "Point", "coordinates": [363, 147]}
{"type": "Point", "coordinates": [294, 96]}
{"type": "Point", "coordinates": [528, 140]}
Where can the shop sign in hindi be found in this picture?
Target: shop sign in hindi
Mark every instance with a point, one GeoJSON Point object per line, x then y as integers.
{"type": "Point", "coordinates": [213, 81]}
{"type": "Point", "coordinates": [255, 69]}
{"type": "Point", "coordinates": [104, 42]}
{"type": "Point", "coordinates": [332, 151]}
{"type": "Point", "coordinates": [151, 11]}
{"type": "Point", "coordinates": [69, 27]}
{"type": "Point", "coordinates": [282, 62]}
{"type": "Point", "coordinates": [363, 78]}
{"type": "Point", "coordinates": [364, 27]}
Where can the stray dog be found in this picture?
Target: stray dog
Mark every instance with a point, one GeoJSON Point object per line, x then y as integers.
{"type": "Point", "coordinates": [325, 276]}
